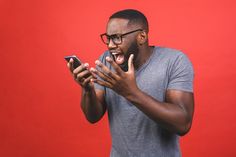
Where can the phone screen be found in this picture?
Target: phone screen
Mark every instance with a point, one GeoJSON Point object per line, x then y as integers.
{"type": "Point", "coordinates": [76, 60]}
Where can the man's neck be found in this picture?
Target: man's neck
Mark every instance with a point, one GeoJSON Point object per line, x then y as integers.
{"type": "Point", "coordinates": [143, 55]}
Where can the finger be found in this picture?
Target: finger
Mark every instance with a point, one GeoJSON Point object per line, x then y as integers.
{"type": "Point", "coordinates": [70, 65]}
{"type": "Point", "coordinates": [130, 63]}
{"type": "Point", "coordinates": [92, 73]}
{"type": "Point", "coordinates": [101, 75]}
{"type": "Point", "coordinates": [86, 81]}
{"type": "Point", "coordinates": [114, 65]}
{"type": "Point", "coordinates": [82, 75]}
{"type": "Point", "coordinates": [105, 70]}
{"type": "Point", "coordinates": [81, 68]}
{"type": "Point", "coordinates": [91, 83]}
{"type": "Point", "coordinates": [102, 83]}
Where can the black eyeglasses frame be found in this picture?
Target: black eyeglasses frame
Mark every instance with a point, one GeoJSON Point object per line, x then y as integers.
{"type": "Point", "coordinates": [116, 35]}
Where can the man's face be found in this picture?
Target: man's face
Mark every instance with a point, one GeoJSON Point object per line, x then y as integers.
{"type": "Point", "coordinates": [121, 52]}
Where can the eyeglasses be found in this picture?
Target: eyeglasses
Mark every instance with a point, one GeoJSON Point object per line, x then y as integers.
{"type": "Point", "coordinates": [116, 38]}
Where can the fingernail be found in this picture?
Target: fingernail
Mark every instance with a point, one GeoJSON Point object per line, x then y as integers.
{"type": "Point", "coordinates": [93, 69]}
{"type": "Point", "coordinates": [97, 62]}
{"type": "Point", "coordinates": [86, 65]}
{"type": "Point", "coordinates": [108, 59]}
{"type": "Point", "coordinates": [93, 80]}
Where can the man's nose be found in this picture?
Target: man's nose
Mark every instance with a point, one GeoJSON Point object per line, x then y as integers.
{"type": "Point", "coordinates": [111, 44]}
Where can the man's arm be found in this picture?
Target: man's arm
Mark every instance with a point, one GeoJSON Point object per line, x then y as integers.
{"type": "Point", "coordinates": [93, 105]}
{"type": "Point", "coordinates": [175, 114]}
{"type": "Point", "coordinates": [92, 101]}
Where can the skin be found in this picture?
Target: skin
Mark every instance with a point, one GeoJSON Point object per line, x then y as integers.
{"type": "Point", "coordinates": [175, 114]}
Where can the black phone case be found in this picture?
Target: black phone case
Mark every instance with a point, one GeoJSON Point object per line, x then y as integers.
{"type": "Point", "coordinates": [76, 60]}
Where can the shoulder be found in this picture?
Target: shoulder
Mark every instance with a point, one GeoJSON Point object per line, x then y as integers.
{"type": "Point", "coordinates": [168, 53]}
{"type": "Point", "coordinates": [179, 69]}
{"type": "Point", "coordinates": [170, 56]}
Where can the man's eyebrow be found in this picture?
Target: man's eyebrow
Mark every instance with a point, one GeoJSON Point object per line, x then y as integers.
{"type": "Point", "coordinates": [113, 35]}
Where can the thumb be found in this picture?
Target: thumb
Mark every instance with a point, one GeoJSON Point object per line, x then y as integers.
{"type": "Point", "coordinates": [130, 62]}
{"type": "Point", "coordinates": [91, 83]}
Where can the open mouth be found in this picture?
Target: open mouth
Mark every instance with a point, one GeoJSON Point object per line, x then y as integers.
{"type": "Point", "coordinates": [119, 57]}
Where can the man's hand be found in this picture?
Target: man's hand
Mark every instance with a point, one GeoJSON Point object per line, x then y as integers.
{"type": "Point", "coordinates": [82, 75]}
{"type": "Point", "coordinates": [121, 82]}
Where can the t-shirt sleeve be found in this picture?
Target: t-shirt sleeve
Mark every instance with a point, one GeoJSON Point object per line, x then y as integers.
{"type": "Point", "coordinates": [181, 74]}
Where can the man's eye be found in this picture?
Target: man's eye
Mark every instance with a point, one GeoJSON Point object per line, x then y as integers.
{"type": "Point", "coordinates": [117, 38]}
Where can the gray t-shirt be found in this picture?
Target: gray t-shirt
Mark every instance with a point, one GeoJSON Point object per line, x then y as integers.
{"type": "Point", "coordinates": [133, 133]}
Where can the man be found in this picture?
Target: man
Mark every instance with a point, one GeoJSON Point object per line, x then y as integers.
{"type": "Point", "coordinates": [146, 90]}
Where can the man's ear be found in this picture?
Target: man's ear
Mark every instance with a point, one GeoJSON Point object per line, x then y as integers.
{"type": "Point", "coordinates": [142, 37]}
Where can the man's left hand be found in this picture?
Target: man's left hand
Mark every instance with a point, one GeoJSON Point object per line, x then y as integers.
{"type": "Point", "coordinates": [123, 83]}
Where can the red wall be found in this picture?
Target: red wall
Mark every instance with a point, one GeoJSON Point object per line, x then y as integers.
{"type": "Point", "coordinates": [40, 114]}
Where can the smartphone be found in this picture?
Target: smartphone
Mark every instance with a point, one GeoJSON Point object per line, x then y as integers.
{"type": "Point", "coordinates": [76, 60]}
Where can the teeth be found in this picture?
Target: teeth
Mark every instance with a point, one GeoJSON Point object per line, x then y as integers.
{"type": "Point", "coordinates": [114, 53]}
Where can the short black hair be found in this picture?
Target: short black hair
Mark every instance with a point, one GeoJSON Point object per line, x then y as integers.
{"type": "Point", "coordinates": [134, 17]}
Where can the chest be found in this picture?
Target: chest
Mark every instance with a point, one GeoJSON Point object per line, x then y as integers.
{"type": "Point", "coordinates": [153, 80]}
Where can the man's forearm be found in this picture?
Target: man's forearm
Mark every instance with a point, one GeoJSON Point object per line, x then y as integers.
{"type": "Point", "coordinates": [91, 106]}
{"type": "Point", "coordinates": [170, 116]}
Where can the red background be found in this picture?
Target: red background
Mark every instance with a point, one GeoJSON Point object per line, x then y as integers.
{"type": "Point", "coordinates": [40, 114]}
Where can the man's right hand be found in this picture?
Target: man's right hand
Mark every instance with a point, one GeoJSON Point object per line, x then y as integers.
{"type": "Point", "coordinates": [82, 75]}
